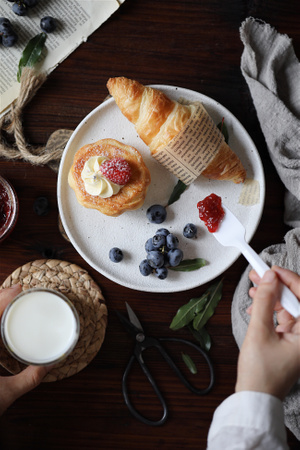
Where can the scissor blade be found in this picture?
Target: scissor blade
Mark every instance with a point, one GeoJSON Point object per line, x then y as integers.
{"type": "Point", "coordinates": [133, 330]}
{"type": "Point", "coordinates": [133, 318]}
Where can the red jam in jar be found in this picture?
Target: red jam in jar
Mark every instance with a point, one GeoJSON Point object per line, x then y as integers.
{"type": "Point", "coordinates": [9, 208]}
{"type": "Point", "coordinates": [211, 212]}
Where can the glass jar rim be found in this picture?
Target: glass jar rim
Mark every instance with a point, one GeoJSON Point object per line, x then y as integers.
{"type": "Point", "coordinates": [57, 294]}
{"type": "Point", "coordinates": [14, 206]}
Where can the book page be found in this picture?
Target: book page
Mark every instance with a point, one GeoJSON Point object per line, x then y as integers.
{"type": "Point", "coordinates": [76, 20]}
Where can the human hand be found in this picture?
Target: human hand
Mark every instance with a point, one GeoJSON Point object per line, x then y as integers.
{"type": "Point", "coordinates": [13, 387]}
{"type": "Point", "coordinates": [269, 360]}
{"type": "Point", "coordinates": [285, 321]}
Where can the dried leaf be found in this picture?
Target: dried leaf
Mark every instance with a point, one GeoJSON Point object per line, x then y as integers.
{"type": "Point", "coordinates": [222, 127]}
{"type": "Point", "coordinates": [214, 293]}
{"type": "Point", "coordinates": [189, 363]}
{"type": "Point", "coordinates": [202, 337]}
{"type": "Point", "coordinates": [177, 191]}
{"type": "Point", "coordinates": [188, 265]}
{"type": "Point", "coordinates": [188, 312]}
{"type": "Point", "coordinates": [31, 53]}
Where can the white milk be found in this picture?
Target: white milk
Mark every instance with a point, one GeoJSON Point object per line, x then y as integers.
{"type": "Point", "coordinates": [40, 327]}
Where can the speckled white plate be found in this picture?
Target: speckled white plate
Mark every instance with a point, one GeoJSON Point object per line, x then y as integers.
{"type": "Point", "coordinates": [94, 234]}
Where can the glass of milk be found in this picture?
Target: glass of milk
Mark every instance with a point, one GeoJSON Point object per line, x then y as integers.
{"type": "Point", "coordinates": [40, 326]}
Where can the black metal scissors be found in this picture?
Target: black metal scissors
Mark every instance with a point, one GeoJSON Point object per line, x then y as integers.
{"type": "Point", "coordinates": [142, 342]}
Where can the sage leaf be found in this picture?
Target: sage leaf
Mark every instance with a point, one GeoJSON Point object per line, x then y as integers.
{"type": "Point", "coordinates": [188, 265]}
{"type": "Point", "coordinates": [223, 128]}
{"type": "Point", "coordinates": [189, 363]}
{"type": "Point", "coordinates": [188, 312]}
{"type": "Point", "coordinates": [214, 293]}
{"type": "Point", "coordinates": [177, 191]}
{"type": "Point", "coordinates": [31, 53]}
{"type": "Point", "coordinates": [202, 337]}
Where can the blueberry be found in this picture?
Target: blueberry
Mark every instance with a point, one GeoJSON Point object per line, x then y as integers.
{"type": "Point", "coordinates": [163, 231]}
{"type": "Point", "coordinates": [149, 245]}
{"type": "Point", "coordinates": [158, 241]}
{"type": "Point", "coordinates": [145, 268]}
{"type": "Point", "coordinates": [19, 8]}
{"type": "Point", "coordinates": [48, 24]}
{"type": "Point", "coordinates": [30, 3]}
{"type": "Point", "coordinates": [156, 214]}
{"type": "Point", "coordinates": [41, 205]}
{"type": "Point", "coordinates": [8, 40]}
{"type": "Point", "coordinates": [166, 259]}
{"type": "Point", "coordinates": [190, 230]}
{"type": "Point", "coordinates": [5, 25]}
{"type": "Point", "coordinates": [175, 256]}
{"type": "Point", "coordinates": [172, 241]}
{"type": "Point", "coordinates": [155, 259]}
{"type": "Point", "coordinates": [115, 254]}
{"type": "Point", "coordinates": [161, 273]}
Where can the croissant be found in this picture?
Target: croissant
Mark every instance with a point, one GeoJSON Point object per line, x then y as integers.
{"type": "Point", "coordinates": [158, 120]}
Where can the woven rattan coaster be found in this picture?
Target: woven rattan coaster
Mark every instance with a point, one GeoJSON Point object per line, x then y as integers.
{"type": "Point", "coordinates": [83, 292]}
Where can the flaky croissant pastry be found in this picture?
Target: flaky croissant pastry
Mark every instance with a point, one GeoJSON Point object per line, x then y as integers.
{"type": "Point", "coordinates": [93, 190]}
{"type": "Point", "coordinates": [159, 119]}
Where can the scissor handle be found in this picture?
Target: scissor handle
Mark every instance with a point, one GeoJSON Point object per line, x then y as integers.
{"type": "Point", "coordinates": [178, 371]}
{"type": "Point", "coordinates": [131, 408]}
{"type": "Point", "coordinates": [152, 342]}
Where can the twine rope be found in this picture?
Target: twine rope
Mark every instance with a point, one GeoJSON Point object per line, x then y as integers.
{"type": "Point", "coordinates": [11, 123]}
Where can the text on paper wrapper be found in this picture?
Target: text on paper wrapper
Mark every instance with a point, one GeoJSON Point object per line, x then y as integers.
{"type": "Point", "coordinates": [182, 156]}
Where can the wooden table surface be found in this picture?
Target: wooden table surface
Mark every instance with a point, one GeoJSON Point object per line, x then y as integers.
{"type": "Point", "coordinates": [194, 44]}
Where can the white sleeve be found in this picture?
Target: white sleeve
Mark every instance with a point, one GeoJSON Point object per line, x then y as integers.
{"type": "Point", "coordinates": [248, 420]}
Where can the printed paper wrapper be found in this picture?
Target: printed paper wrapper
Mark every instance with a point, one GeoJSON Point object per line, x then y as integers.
{"type": "Point", "coordinates": [194, 147]}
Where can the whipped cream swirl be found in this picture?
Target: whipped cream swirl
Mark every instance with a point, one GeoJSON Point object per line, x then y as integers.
{"type": "Point", "coordinates": [94, 182]}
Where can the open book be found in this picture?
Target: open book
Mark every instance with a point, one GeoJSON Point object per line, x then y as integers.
{"type": "Point", "coordinates": [76, 21]}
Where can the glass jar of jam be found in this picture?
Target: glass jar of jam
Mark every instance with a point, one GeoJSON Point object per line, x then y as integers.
{"type": "Point", "coordinates": [9, 208]}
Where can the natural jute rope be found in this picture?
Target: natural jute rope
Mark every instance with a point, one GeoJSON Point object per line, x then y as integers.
{"type": "Point", "coordinates": [11, 123]}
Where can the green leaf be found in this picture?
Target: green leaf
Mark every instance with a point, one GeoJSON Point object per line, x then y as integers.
{"type": "Point", "coordinates": [188, 312]}
{"type": "Point", "coordinates": [222, 127]}
{"type": "Point", "coordinates": [189, 363]}
{"type": "Point", "coordinates": [202, 337]}
{"type": "Point", "coordinates": [188, 265]}
{"type": "Point", "coordinates": [31, 53]}
{"type": "Point", "coordinates": [215, 294]}
{"type": "Point", "coordinates": [177, 191]}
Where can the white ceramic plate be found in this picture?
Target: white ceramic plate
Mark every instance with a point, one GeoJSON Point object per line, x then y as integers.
{"type": "Point", "coordinates": [94, 234]}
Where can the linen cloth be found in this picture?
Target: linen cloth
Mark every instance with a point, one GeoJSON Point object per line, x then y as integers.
{"type": "Point", "coordinates": [248, 420]}
{"type": "Point", "coordinates": [272, 72]}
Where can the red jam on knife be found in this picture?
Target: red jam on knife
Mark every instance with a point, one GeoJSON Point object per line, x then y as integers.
{"type": "Point", "coordinates": [8, 208]}
{"type": "Point", "coordinates": [211, 212]}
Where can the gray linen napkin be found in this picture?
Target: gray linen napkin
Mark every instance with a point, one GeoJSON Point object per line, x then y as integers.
{"type": "Point", "coordinates": [272, 73]}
